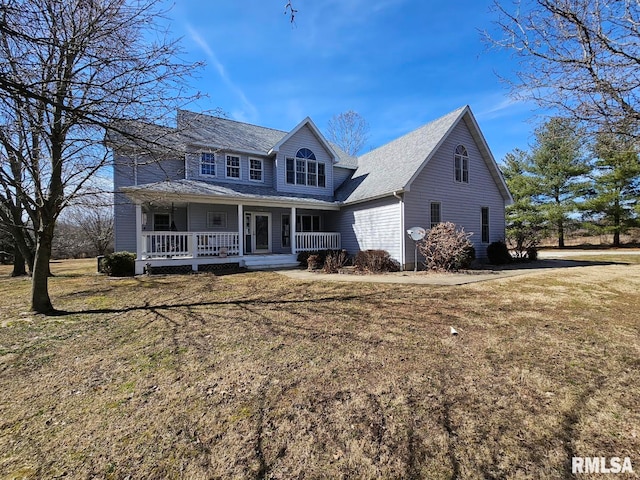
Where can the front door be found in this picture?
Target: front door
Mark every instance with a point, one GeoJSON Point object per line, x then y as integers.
{"type": "Point", "coordinates": [259, 232]}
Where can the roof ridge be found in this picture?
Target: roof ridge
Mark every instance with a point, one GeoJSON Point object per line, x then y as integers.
{"type": "Point", "coordinates": [232, 120]}
{"type": "Point", "coordinates": [413, 131]}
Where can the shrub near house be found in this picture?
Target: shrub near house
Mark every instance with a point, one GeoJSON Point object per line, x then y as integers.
{"type": "Point", "coordinates": [447, 248]}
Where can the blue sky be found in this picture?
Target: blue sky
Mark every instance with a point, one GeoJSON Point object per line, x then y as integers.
{"type": "Point", "coordinates": [399, 63]}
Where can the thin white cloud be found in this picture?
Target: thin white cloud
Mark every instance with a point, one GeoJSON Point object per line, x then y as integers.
{"type": "Point", "coordinates": [249, 112]}
{"type": "Point", "coordinates": [497, 105]}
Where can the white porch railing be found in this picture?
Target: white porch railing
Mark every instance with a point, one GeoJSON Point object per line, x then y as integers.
{"type": "Point", "coordinates": [311, 241]}
{"type": "Point", "coordinates": [189, 244]}
{"type": "Point", "coordinates": [216, 244]}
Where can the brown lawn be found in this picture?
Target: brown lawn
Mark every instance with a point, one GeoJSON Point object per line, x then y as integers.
{"type": "Point", "coordinates": [260, 376]}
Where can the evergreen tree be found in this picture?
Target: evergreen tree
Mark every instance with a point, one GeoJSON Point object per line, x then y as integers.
{"type": "Point", "coordinates": [613, 199]}
{"type": "Point", "coordinates": [559, 170]}
{"type": "Point", "coordinates": [525, 221]}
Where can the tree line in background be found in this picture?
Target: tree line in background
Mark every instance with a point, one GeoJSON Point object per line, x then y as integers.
{"type": "Point", "coordinates": [84, 230]}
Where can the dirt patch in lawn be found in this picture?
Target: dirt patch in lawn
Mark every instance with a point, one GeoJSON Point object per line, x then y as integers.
{"type": "Point", "coordinates": [260, 376]}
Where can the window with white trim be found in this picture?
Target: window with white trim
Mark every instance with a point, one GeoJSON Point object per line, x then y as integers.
{"type": "Point", "coordinates": [233, 166]}
{"type": "Point", "coordinates": [307, 223]}
{"type": "Point", "coordinates": [216, 220]}
{"type": "Point", "coordinates": [161, 222]}
{"type": "Point", "coordinates": [304, 169]}
{"type": "Point", "coordinates": [435, 213]}
{"type": "Point", "coordinates": [255, 169]}
{"type": "Point", "coordinates": [461, 164]}
{"type": "Point", "coordinates": [484, 220]}
{"type": "Point", "coordinates": [208, 164]}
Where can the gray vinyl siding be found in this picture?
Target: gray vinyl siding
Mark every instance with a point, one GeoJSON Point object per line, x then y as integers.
{"type": "Point", "coordinates": [460, 202]}
{"type": "Point", "coordinates": [151, 171]}
{"type": "Point", "coordinates": [370, 225]}
{"type": "Point", "coordinates": [303, 138]}
{"type": "Point", "coordinates": [124, 211]}
{"type": "Point", "coordinates": [194, 171]}
{"type": "Point", "coordinates": [124, 224]}
{"type": "Point", "coordinates": [340, 175]}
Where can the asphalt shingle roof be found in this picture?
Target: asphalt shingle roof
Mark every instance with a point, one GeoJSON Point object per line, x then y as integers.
{"type": "Point", "coordinates": [391, 167]}
{"type": "Point", "coordinates": [177, 189]}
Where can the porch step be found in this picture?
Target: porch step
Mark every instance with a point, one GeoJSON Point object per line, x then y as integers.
{"type": "Point", "coordinates": [261, 262]}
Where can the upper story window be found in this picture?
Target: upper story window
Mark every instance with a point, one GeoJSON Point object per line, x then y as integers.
{"type": "Point", "coordinates": [233, 166]}
{"type": "Point", "coordinates": [461, 164]}
{"type": "Point", "coordinates": [255, 170]}
{"type": "Point", "coordinates": [304, 169]}
{"type": "Point", "coordinates": [208, 164]}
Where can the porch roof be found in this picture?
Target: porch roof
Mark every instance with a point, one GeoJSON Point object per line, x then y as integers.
{"type": "Point", "coordinates": [198, 192]}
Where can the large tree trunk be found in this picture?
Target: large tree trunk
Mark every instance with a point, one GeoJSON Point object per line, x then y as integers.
{"type": "Point", "coordinates": [19, 268]}
{"type": "Point", "coordinates": [616, 238]}
{"type": "Point", "coordinates": [40, 301]}
{"type": "Point", "coordinates": [616, 224]}
{"type": "Point", "coordinates": [561, 234]}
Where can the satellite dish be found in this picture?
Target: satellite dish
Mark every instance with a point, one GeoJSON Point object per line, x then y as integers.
{"type": "Point", "coordinates": [417, 233]}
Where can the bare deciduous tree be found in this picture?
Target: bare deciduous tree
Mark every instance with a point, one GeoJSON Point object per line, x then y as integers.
{"type": "Point", "coordinates": [72, 72]}
{"type": "Point", "coordinates": [580, 57]}
{"type": "Point", "coordinates": [95, 219]}
{"type": "Point", "coordinates": [349, 130]}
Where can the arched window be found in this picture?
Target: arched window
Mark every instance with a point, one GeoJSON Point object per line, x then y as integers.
{"type": "Point", "coordinates": [304, 169]}
{"type": "Point", "coordinates": [306, 154]}
{"type": "Point", "coordinates": [461, 164]}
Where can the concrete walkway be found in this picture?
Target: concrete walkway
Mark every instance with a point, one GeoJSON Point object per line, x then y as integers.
{"type": "Point", "coordinates": [424, 278]}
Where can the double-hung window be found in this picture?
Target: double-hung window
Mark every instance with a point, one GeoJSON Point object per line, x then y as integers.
{"type": "Point", "coordinates": [255, 170]}
{"type": "Point", "coordinates": [304, 169]}
{"type": "Point", "coordinates": [307, 223]}
{"type": "Point", "coordinates": [208, 164]}
{"type": "Point", "coordinates": [461, 164]}
{"type": "Point", "coordinates": [233, 166]}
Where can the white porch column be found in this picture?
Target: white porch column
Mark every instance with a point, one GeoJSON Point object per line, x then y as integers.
{"type": "Point", "coordinates": [292, 228]}
{"type": "Point", "coordinates": [240, 230]}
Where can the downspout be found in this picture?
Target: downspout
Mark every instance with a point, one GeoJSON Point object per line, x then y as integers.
{"type": "Point", "coordinates": [402, 239]}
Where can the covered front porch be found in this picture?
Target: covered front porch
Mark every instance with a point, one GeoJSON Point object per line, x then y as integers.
{"type": "Point", "coordinates": [204, 235]}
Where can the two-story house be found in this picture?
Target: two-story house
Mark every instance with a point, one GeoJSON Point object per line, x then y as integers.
{"type": "Point", "coordinates": [231, 192]}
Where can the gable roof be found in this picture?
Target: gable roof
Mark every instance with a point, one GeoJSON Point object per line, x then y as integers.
{"type": "Point", "coordinates": [393, 167]}
{"type": "Point", "coordinates": [312, 126]}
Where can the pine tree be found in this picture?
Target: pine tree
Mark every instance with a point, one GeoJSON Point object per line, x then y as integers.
{"type": "Point", "coordinates": [613, 199]}
{"type": "Point", "coordinates": [525, 220]}
{"type": "Point", "coordinates": [559, 170]}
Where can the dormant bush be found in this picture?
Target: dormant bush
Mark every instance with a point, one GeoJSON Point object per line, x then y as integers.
{"type": "Point", "coordinates": [447, 248]}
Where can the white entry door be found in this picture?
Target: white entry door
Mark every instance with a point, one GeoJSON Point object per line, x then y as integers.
{"type": "Point", "coordinates": [260, 232]}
